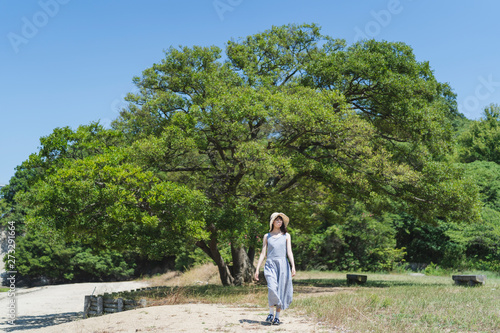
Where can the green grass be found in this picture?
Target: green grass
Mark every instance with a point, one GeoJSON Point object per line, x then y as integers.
{"type": "Point", "coordinates": [386, 303]}
{"type": "Point", "coordinates": [3, 289]}
{"type": "Point", "coordinates": [403, 303]}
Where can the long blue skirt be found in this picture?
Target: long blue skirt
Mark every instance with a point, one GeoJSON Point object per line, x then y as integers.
{"type": "Point", "coordinates": [279, 282]}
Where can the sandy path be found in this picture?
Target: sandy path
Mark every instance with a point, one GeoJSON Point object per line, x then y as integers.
{"type": "Point", "coordinates": [60, 309]}
{"type": "Point", "coordinates": [187, 318]}
{"type": "Point", "coordinates": [50, 305]}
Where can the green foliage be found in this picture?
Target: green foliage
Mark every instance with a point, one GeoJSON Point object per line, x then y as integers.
{"type": "Point", "coordinates": [482, 240]}
{"type": "Point", "coordinates": [10, 209]}
{"type": "Point", "coordinates": [20, 182]}
{"type": "Point", "coordinates": [37, 257]}
{"type": "Point", "coordinates": [293, 121]}
{"type": "Point", "coordinates": [65, 144]}
{"type": "Point", "coordinates": [455, 244]}
{"type": "Point", "coordinates": [48, 256]}
{"type": "Point", "coordinates": [487, 177]}
{"type": "Point", "coordinates": [190, 256]}
{"type": "Point", "coordinates": [435, 270]}
{"type": "Point", "coordinates": [111, 204]}
{"type": "Point", "coordinates": [62, 145]}
{"type": "Point", "coordinates": [362, 242]}
{"type": "Point", "coordinates": [284, 110]}
{"type": "Point", "coordinates": [385, 84]}
{"type": "Point", "coordinates": [105, 265]}
{"type": "Point", "coordinates": [480, 141]}
{"type": "Point", "coordinates": [488, 264]}
{"type": "Point", "coordinates": [426, 243]}
{"type": "Point", "coordinates": [290, 110]}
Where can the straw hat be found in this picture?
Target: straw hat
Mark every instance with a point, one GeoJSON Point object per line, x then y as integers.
{"type": "Point", "coordinates": [274, 216]}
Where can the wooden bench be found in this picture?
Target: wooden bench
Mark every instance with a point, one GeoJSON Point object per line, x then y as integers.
{"type": "Point", "coordinates": [471, 280]}
{"type": "Point", "coordinates": [356, 278]}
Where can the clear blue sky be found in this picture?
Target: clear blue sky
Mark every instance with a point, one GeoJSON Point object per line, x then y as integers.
{"type": "Point", "coordinates": [70, 62]}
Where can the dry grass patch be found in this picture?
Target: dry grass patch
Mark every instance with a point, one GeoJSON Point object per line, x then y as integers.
{"type": "Point", "coordinates": [199, 275]}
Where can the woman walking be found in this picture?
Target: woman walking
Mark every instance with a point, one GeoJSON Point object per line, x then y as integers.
{"type": "Point", "coordinates": [277, 243]}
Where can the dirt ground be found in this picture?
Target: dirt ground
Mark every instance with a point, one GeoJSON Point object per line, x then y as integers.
{"type": "Point", "coordinates": [51, 305]}
{"type": "Point", "coordinates": [60, 309]}
{"type": "Point", "coordinates": [188, 318]}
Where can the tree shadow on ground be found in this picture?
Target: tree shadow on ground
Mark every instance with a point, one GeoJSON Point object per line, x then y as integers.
{"type": "Point", "coordinates": [189, 291]}
{"type": "Point", "coordinates": [332, 283]}
{"type": "Point", "coordinates": [24, 323]}
{"type": "Point", "coordinates": [185, 294]}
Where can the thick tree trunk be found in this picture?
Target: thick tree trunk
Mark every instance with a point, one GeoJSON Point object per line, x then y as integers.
{"type": "Point", "coordinates": [251, 254]}
{"type": "Point", "coordinates": [226, 277]}
{"type": "Point", "coordinates": [211, 249]}
{"type": "Point", "coordinates": [242, 268]}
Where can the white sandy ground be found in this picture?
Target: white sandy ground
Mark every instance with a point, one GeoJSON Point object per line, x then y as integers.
{"type": "Point", "coordinates": [186, 318]}
{"type": "Point", "coordinates": [50, 305]}
{"type": "Point", "coordinates": [60, 309]}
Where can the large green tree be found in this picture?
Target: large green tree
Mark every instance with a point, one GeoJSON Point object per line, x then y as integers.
{"type": "Point", "coordinates": [208, 148]}
{"type": "Point", "coordinates": [287, 111]}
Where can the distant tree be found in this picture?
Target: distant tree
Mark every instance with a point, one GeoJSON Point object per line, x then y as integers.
{"type": "Point", "coordinates": [46, 256]}
{"type": "Point", "coordinates": [355, 240]}
{"type": "Point", "coordinates": [459, 245]}
{"type": "Point", "coordinates": [41, 191]}
{"type": "Point", "coordinates": [59, 147]}
{"type": "Point", "coordinates": [480, 141]}
{"type": "Point", "coordinates": [482, 240]}
{"type": "Point", "coordinates": [108, 204]}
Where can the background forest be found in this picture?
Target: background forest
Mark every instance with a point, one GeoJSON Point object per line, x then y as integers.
{"type": "Point", "coordinates": [359, 145]}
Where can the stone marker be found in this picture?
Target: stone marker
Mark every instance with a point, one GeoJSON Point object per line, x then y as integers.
{"type": "Point", "coordinates": [471, 280]}
{"type": "Point", "coordinates": [356, 278]}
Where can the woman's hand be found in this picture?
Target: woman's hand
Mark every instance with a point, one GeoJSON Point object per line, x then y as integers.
{"type": "Point", "coordinates": [256, 275]}
{"type": "Point", "coordinates": [293, 271]}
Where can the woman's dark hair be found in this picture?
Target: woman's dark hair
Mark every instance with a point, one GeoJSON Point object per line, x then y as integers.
{"type": "Point", "coordinates": [282, 228]}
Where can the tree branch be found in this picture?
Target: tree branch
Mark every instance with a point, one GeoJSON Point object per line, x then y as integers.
{"type": "Point", "coordinates": [185, 169]}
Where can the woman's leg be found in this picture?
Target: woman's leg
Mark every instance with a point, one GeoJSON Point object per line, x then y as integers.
{"type": "Point", "coordinates": [271, 273]}
{"type": "Point", "coordinates": [276, 320]}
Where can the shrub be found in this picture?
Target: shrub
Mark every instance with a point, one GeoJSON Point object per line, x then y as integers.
{"type": "Point", "coordinates": [45, 257]}
{"type": "Point", "coordinates": [362, 242]}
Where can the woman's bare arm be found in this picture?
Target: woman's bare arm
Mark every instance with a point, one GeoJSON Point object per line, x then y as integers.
{"type": "Point", "coordinates": [290, 253]}
{"type": "Point", "coordinates": [261, 258]}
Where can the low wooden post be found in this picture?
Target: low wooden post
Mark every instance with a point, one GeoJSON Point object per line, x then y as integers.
{"type": "Point", "coordinates": [100, 306]}
{"type": "Point", "coordinates": [356, 278]}
{"type": "Point", "coordinates": [471, 280]}
{"type": "Point", "coordinates": [86, 307]}
{"type": "Point", "coordinates": [120, 305]}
